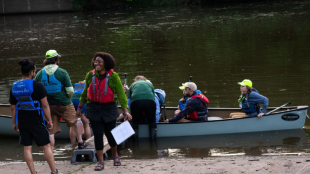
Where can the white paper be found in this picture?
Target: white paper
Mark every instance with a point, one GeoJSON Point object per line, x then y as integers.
{"type": "Point", "coordinates": [122, 132]}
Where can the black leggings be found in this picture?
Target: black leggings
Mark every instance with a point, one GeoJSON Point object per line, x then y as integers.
{"type": "Point", "coordinates": [148, 107]}
{"type": "Point", "coordinates": [99, 128]}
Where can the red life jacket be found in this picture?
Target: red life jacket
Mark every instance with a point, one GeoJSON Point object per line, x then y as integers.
{"type": "Point", "coordinates": [100, 91]}
{"type": "Point", "coordinates": [204, 99]}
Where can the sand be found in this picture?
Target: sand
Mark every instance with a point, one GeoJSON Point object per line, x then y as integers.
{"type": "Point", "coordinates": [236, 164]}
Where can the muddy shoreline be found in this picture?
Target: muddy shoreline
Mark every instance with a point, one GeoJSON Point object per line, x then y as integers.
{"type": "Point", "coordinates": [232, 164]}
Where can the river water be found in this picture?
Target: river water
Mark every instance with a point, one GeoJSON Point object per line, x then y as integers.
{"type": "Point", "coordinates": [219, 46]}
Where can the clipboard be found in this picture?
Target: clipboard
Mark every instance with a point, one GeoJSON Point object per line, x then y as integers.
{"type": "Point", "coordinates": [122, 132]}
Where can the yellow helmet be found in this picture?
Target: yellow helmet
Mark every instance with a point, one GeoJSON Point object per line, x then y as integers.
{"type": "Point", "coordinates": [51, 53]}
{"type": "Point", "coordinates": [246, 82]}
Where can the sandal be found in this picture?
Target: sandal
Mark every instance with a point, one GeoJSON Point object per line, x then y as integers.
{"type": "Point", "coordinates": [55, 172]}
{"type": "Point", "coordinates": [117, 162]}
{"type": "Point", "coordinates": [99, 166]}
{"type": "Point", "coordinates": [81, 145]}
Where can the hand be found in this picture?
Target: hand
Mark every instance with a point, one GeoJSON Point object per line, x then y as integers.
{"type": "Point", "coordinates": [15, 128]}
{"type": "Point", "coordinates": [167, 121]}
{"type": "Point", "coordinates": [50, 125]}
{"type": "Point", "coordinates": [260, 115]}
{"type": "Point", "coordinates": [127, 116]}
{"type": "Point", "coordinates": [126, 88]}
{"type": "Point", "coordinates": [78, 114]}
{"type": "Point", "coordinates": [176, 112]}
{"type": "Point", "coordinates": [121, 116]}
{"type": "Point", "coordinates": [182, 99]}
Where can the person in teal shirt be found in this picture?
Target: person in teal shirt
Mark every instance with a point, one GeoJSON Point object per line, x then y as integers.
{"type": "Point", "coordinates": [142, 96]}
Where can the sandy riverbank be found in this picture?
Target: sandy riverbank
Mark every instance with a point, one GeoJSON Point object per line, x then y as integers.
{"type": "Point", "coordinates": [239, 164]}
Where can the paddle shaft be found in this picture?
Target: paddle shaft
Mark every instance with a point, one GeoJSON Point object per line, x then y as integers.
{"type": "Point", "coordinates": [125, 79]}
{"type": "Point", "coordinates": [190, 79]}
{"type": "Point", "coordinates": [279, 108]}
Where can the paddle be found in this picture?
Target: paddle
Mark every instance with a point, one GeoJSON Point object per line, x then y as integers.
{"type": "Point", "coordinates": [165, 111]}
{"type": "Point", "coordinates": [279, 108]}
{"type": "Point", "coordinates": [125, 80]}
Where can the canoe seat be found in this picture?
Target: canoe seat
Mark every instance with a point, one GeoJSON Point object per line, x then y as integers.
{"type": "Point", "coordinates": [214, 118]}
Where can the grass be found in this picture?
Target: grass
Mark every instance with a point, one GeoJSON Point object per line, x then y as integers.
{"type": "Point", "coordinates": [83, 166]}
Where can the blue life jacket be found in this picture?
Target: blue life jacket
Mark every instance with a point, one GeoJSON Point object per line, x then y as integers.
{"type": "Point", "coordinates": [22, 91]}
{"type": "Point", "coordinates": [79, 88]}
{"type": "Point", "coordinates": [252, 108]}
{"type": "Point", "coordinates": [51, 84]}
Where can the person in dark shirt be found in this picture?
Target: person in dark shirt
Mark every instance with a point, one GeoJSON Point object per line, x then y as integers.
{"type": "Point", "coordinates": [196, 108]}
{"type": "Point", "coordinates": [29, 104]}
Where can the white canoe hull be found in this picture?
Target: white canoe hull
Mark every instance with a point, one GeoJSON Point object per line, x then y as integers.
{"type": "Point", "coordinates": [227, 126]}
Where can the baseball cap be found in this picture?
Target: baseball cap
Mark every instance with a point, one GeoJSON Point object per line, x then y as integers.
{"type": "Point", "coordinates": [51, 53]}
{"type": "Point", "coordinates": [190, 85]}
{"type": "Point", "coordinates": [182, 87]}
{"type": "Point", "coordinates": [246, 82]}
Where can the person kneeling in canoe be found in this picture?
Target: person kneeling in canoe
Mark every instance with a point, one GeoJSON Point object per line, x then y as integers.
{"type": "Point", "coordinates": [196, 108]}
{"type": "Point", "coordinates": [249, 101]}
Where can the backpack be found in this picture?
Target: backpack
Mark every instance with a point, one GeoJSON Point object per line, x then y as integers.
{"type": "Point", "coordinates": [161, 98]}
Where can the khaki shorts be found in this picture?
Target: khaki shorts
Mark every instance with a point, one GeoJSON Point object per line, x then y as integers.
{"type": "Point", "coordinates": [67, 113]}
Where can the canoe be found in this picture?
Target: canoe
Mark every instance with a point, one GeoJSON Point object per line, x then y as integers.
{"type": "Point", "coordinates": [284, 119]}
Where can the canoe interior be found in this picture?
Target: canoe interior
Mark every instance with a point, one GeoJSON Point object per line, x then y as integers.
{"type": "Point", "coordinates": [213, 112]}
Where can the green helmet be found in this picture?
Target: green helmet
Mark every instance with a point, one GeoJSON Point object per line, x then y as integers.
{"type": "Point", "coordinates": [51, 53]}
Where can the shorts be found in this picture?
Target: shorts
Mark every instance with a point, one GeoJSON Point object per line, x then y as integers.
{"type": "Point", "coordinates": [38, 132]}
{"type": "Point", "coordinates": [67, 113]}
{"type": "Point", "coordinates": [76, 103]}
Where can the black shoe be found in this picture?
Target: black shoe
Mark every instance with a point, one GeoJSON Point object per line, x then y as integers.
{"type": "Point", "coordinates": [81, 145]}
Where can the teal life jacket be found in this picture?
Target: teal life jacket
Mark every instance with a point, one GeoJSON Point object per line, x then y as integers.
{"type": "Point", "coordinates": [22, 91]}
{"type": "Point", "coordinates": [51, 84]}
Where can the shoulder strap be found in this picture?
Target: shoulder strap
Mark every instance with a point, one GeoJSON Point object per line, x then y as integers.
{"type": "Point", "coordinates": [94, 81]}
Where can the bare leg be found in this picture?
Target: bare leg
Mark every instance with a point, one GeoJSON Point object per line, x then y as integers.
{"type": "Point", "coordinates": [52, 138]}
{"type": "Point", "coordinates": [49, 156]}
{"type": "Point", "coordinates": [87, 131]}
{"type": "Point", "coordinates": [72, 136]}
{"type": "Point", "coordinates": [100, 155]}
{"type": "Point", "coordinates": [114, 153]}
{"type": "Point", "coordinates": [236, 114]}
{"type": "Point", "coordinates": [28, 158]}
{"type": "Point", "coordinates": [79, 136]}
{"type": "Point", "coordinates": [184, 120]}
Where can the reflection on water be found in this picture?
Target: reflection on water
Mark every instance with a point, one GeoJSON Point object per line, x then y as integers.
{"type": "Point", "coordinates": [218, 46]}
{"type": "Point", "coordinates": [11, 150]}
{"type": "Point", "coordinates": [289, 142]}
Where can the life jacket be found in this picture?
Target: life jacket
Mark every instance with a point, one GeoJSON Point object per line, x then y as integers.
{"type": "Point", "coordinates": [51, 84]}
{"type": "Point", "coordinates": [22, 91]}
{"type": "Point", "coordinates": [99, 91]}
{"type": "Point", "coordinates": [79, 88]}
{"type": "Point", "coordinates": [195, 115]}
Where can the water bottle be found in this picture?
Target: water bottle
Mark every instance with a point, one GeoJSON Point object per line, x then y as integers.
{"type": "Point", "coordinates": [80, 128]}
